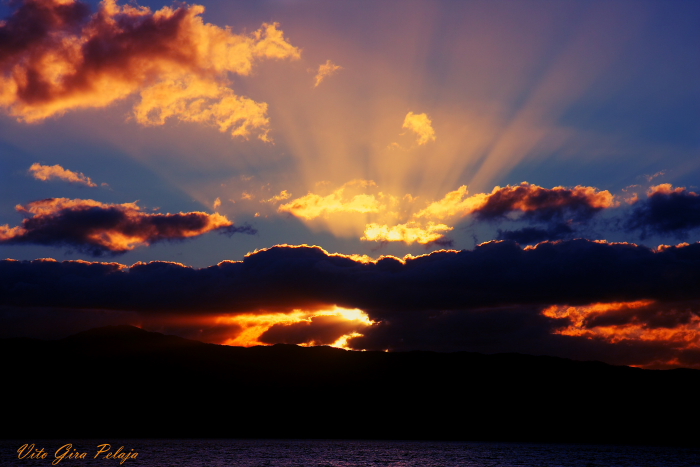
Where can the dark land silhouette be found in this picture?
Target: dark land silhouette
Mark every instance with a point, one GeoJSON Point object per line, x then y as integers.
{"type": "Point", "coordinates": [124, 382]}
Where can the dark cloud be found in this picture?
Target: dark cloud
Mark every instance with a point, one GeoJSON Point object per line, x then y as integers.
{"type": "Point", "coordinates": [533, 235]}
{"type": "Point", "coordinates": [650, 315]}
{"type": "Point", "coordinates": [544, 204]}
{"type": "Point", "coordinates": [38, 24]}
{"type": "Point", "coordinates": [493, 274]}
{"type": "Point", "coordinates": [505, 330]}
{"type": "Point", "coordinates": [490, 299]}
{"type": "Point", "coordinates": [56, 323]}
{"type": "Point", "coordinates": [665, 211]}
{"type": "Point", "coordinates": [99, 229]}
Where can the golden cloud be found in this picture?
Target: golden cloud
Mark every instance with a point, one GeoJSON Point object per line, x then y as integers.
{"type": "Point", "coordinates": [56, 172]}
{"type": "Point", "coordinates": [409, 233]}
{"type": "Point", "coordinates": [421, 125]}
{"type": "Point", "coordinates": [312, 206]}
{"type": "Point", "coordinates": [325, 70]}
{"type": "Point", "coordinates": [284, 195]}
{"type": "Point", "coordinates": [455, 203]}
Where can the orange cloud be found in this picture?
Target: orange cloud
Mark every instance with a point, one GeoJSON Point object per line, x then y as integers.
{"type": "Point", "coordinates": [61, 58]}
{"type": "Point", "coordinates": [525, 198]}
{"type": "Point", "coordinates": [666, 189]}
{"type": "Point", "coordinates": [544, 202]}
{"type": "Point", "coordinates": [421, 125]}
{"type": "Point", "coordinates": [332, 327]}
{"type": "Point", "coordinates": [217, 203]}
{"type": "Point", "coordinates": [99, 228]}
{"type": "Point", "coordinates": [56, 172]}
{"type": "Point", "coordinates": [676, 325]}
{"type": "Point", "coordinates": [325, 70]}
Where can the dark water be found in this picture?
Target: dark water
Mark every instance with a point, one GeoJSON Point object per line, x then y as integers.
{"type": "Point", "coordinates": [346, 453]}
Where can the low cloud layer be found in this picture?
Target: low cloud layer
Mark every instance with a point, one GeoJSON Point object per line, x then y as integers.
{"type": "Point", "coordinates": [57, 56]}
{"type": "Point", "coordinates": [56, 172]}
{"type": "Point", "coordinates": [98, 228]}
{"type": "Point", "coordinates": [617, 302]}
{"type": "Point", "coordinates": [534, 235]}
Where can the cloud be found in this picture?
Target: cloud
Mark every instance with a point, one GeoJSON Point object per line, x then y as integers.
{"type": "Point", "coordinates": [395, 219]}
{"type": "Point", "coordinates": [202, 101]}
{"type": "Point", "coordinates": [57, 56]}
{"type": "Point", "coordinates": [421, 125]}
{"type": "Point", "coordinates": [408, 233]}
{"type": "Point", "coordinates": [320, 328]}
{"type": "Point", "coordinates": [675, 325]}
{"type": "Point", "coordinates": [325, 70]}
{"type": "Point", "coordinates": [217, 203]}
{"type": "Point", "coordinates": [533, 235]}
{"type": "Point", "coordinates": [97, 228]}
{"type": "Point", "coordinates": [56, 172]}
{"type": "Point", "coordinates": [455, 203]}
{"type": "Point", "coordinates": [496, 298]}
{"type": "Point", "coordinates": [657, 174]}
{"type": "Point", "coordinates": [620, 303]}
{"type": "Point", "coordinates": [543, 204]}
{"type": "Point", "coordinates": [284, 195]}
{"type": "Point", "coordinates": [530, 201]}
{"type": "Point", "coordinates": [312, 205]}
{"type": "Point", "coordinates": [665, 211]}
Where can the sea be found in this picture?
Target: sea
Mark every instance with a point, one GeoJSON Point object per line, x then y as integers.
{"type": "Point", "coordinates": [333, 453]}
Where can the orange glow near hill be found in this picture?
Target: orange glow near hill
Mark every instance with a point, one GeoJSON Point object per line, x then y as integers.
{"type": "Point", "coordinates": [674, 325]}
{"type": "Point", "coordinates": [253, 326]}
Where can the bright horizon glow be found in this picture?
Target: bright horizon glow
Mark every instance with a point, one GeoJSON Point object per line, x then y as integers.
{"type": "Point", "coordinates": [254, 325]}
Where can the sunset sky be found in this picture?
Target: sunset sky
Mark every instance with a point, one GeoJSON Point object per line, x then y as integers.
{"type": "Point", "coordinates": [491, 176]}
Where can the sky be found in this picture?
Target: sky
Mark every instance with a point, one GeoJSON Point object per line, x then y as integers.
{"type": "Point", "coordinates": [490, 176]}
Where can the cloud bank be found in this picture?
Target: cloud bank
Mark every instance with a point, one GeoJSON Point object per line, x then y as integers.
{"type": "Point", "coordinates": [617, 302]}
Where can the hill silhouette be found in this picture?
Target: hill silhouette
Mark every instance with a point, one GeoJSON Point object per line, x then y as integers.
{"type": "Point", "coordinates": [121, 381]}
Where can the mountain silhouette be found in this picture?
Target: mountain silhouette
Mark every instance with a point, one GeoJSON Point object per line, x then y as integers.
{"type": "Point", "coordinates": [124, 382]}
